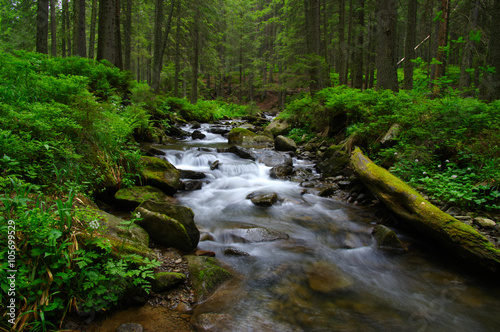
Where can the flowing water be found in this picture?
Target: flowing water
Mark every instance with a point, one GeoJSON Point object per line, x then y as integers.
{"type": "Point", "coordinates": [309, 263]}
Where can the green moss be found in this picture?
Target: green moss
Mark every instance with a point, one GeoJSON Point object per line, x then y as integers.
{"type": "Point", "coordinates": [161, 174]}
{"type": "Point", "coordinates": [206, 274]}
{"type": "Point", "coordinates": [133, 196]}
{"type": "Point", "coordinates": [408, 204]}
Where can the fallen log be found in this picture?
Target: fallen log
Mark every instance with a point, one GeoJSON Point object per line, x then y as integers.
{"type": "Point", "coordinates": [425, 217]}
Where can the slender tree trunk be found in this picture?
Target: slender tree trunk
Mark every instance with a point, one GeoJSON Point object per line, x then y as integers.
{"type": "Point", "coordinates": [467, 57]}
{"type": "Point", "coordinates": [195, 63]}
{"type": "Point", "coordinates": [490, 84]}
{"type": "Point", "coordinates": [177, 52]}
{"type": "Point", "coordinates": [313, 37]}
{"type": "Point", "coordinates": [118, 37]}
{"type": "Point", "coordinates": [359, 47]}
{"type": "Point", "coordinates": [79, 43]}
{"type": "Point", "coordinates": [349, 41]}
{"type": "Point", "coordinates": [442, 42]}
{"type": "Point", "coordinates": [64, 32]}
{"type": "Point", "coordinates": [342, 54]}
{"type": "Point", "coordinates": [411, 25]}
{"type": "Point", "coordinates": [93, 22]}
{"type": "Point", "coordinates": [386, 66]}
{"type": "Point", "coordinates": [53, 28]}
{"type": "Point", "coordinates": [127, 34]}
{"type": "Point", "coordinates": [160, 42]}
{"type": "Point", "coordinates": [42, 26]}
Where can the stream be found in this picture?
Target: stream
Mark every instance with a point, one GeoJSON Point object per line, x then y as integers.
{"type": "Point", "coordinates": [309, 263]}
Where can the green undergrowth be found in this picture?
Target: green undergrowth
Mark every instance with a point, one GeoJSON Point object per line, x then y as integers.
{"type": "Point", "coordinates": [447, 147]}
{"type": "Point", "coordinates": [59, 261]}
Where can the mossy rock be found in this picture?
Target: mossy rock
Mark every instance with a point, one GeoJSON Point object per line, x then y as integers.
{"type": "Point", "coordinates": [161, 174]}
{"type": "Point", "coordinates": [246, 137]}
{"type": "Point", "coordinates": [387, 239]}
{"type": "Point", "coordinates": [206, 274]}
{"type": "Point", "coordinates": [132, 197]}
{"type": "Point", "coordinates": [164, 281]}
{"type": "Point", "coordinates": [182, 214]}
{"type": "Point", "coordinates": [282, 143]}
{"type": "Point", "coordinates": [459, 238]}
{"type": "Point", "coordinates": [278, 127]}
{"type": "Point", "coordinates": [334, 165]}
{"type": "Point", "coordinates": [124, 240]}
{"type": "Point", "coordinates": [164, 230]}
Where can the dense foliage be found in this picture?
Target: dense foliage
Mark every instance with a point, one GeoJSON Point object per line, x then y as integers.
{"type": "Point", "coordinates": [447, 147]}
{"type": "Point", "coordinates": [70, 127]}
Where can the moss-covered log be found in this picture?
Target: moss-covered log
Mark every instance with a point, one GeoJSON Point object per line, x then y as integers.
{"type": "Point", "coordinates": [410, 206]}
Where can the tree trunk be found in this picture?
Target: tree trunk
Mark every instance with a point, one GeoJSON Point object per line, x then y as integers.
{"type": "Point", "coordinates": [359, 47]}
{"type": "Point", "coordinates": [106, 48]}
{"type": "Point", "coordinates": [80, 48]}
{"type": "Point", "coordinates": [64, 32]}
{"type": "Point", "coordinates": [342, 54]}
{"type": "Point", "coordinates": [127, 34]}
{"type": "Point", "coordinates": [118, 37]}
{"type": "Point", "coordinates": [386, 67]}
{"type": "Point", "coordinates": [195, 63]}
{"type": "Point", "coordinates": [93, 21]}
{"type": "Point", "coordinates": [177, 52]}
{"type": "Point", "coordinates": [42, 26]}
{"type": "Point", "coordinates": [411, 27]}
{"type": "Point", "coordinates": [409, 206]}
{"type": "Point", "coordinates": [53, 28]}
{"type": "Point", "coordinates": [160, 42]}
{"type": "Point", "coordinates": [490, 84]}
{"type": "Point", "coordinates": [313, 37]}
{"type": "Point", "coordinates": [442, 43]}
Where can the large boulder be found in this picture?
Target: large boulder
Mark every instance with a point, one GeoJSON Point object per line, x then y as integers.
{"type": "Point", "coordinates": [206, 274]}
{"type": "Point", "coordinates": [170, 225]}
{"type": "Point", "coordinates": [281, 172]}
{"type": "Point", "coordinates": [459, 238]}
{"type": "Point", "coordinates": [282, 143]}
{"type": "Point", "coordinates": [132, 197]}
{"type": "Point", "coordinates": [182, 214]}
{"type": "Point", "coordinates": [246, 137]}
{"type": "Point", "coordinates": [124, 239]}
{"type": "Point", "coordinates": [161, 174]}
{"type": "Point", "coordinates": [334, 165]}
{"type": "Point", "coordinates": [242, 152]}
{"type": "Point", "coordinates": [278, 127]}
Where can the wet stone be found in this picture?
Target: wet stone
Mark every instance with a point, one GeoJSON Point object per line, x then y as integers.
{"type": "Point", "coordinates": [265, 200]}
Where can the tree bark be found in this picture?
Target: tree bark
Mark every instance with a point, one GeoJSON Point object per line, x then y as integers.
{"type": "Point", "coordinates": [411, 30]}
{"type": "Point", "coordinates": [42, 26]}
{"type": "Point", "coordinates": [342, 53]}
{"type": "Point", "coordinates": [385, 62]}
{"type": "Point", "coordinates": [118, 37]}
{"type": "Point", "coordinates": [160, 42]}
{"type": "Point", "coordinates": [106, 42]}
{"type": "Point", "coordinates": [177, 52]}
{"type": "Point", "coordinates": [195, 62]}
{"type": "Point", "coordinates": [442, 43]}
{"type": "Point", "coordinates": [93, 21]}
{"type": "Point", "coordinates": [127, 35]}
{"type": "Point", "coordinates": [490, 84]}
{"type": "Point", "coordinates": [357, 66]}
{"type": "Point", "coordinates": [53, 28]}
{"type": "Point", "coordinates": [461, 239]}
{"type": "Point", "coordinates": [79, 43]}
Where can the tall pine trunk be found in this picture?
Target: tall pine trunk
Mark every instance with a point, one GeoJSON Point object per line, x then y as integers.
{"type": "Point", "coordinates": [53, 28]}
{"type": "Point", "coordinates": [106, 42]}
{"type": "Point", "coordinates": [490, 84]}
{"type": "Point", "coordinates": [127, 35]}
{"type": "Point", "coordinates": [93, 22]}
{"type": "Point", "coordinates": [42, 26]}
{"type": "Point", "coordinates": [411, 25]}
{"type": "Point", "coordinates": [385, 62]}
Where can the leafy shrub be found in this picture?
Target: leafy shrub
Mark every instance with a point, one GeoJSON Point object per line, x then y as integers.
{"type": "Point", "coordinates": [61, 263]}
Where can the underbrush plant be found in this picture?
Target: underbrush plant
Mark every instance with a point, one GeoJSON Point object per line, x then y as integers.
{"type": "Point", "coordinates": [62, 262]}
